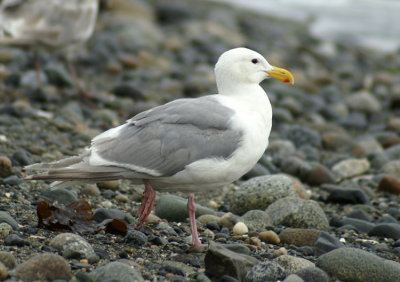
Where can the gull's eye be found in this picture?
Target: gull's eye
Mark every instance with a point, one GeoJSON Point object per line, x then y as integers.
{"type": "Point", "coordinates": [254, 61]}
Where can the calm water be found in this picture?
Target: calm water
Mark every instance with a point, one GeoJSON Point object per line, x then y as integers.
{"type": "Point", "coordinates": [371, 23]}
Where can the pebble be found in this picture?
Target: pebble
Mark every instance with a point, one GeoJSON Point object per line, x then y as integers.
{"type": "Point", "coordinates": [116, 271]}
{"type": "Point", "coordinates": [363, 101]}
{"type": "Point", "coordinates": [280, 252]}
{"type": "Point", "coordinates": [392, 168]}
{"type": "Point", "coordinates": [108, 185]}
{"type": "Point", "coordinates": [389, 184]}
{"type": "Point", "coordinates": [351, 264]}
{"type": "Point", "coordinates": [204, 219]}
{"type": "Point", "coordinates": [265, 271]}
{"type": "Point", "coordinates": [296, 167]}
{"type": "Point", "coordinates": [319, 174]}
{"type": "Point", "coordinates": [64, 195]}
{"type": "Point", "coordinates": [299, 237]}
{"type": "Point", "coordinates": [293, 264]}
{"type": "Point", "coordinates": [240, 229]}
{"type": "Point", "coordinates": [294, 278]}
{"type": "Point", "coordinates": [3, 271]}
{"type": "Point", "coordinates": [386, 230]}
{"type": "Point", "coordinates": [8, 259]}
{"type": "Point", "coordinates": [360, 225]}
{"type": "Point", "coordinates": [174, 208]}
{"type": "Point", "coordinates": [228, 220]}
{"type": "Point", "coordinates": [256, 220]}
{"type": "Point", "coordinates": [15, 240]}
{"type": "Point", "coordinates": [5, 167]}
{"type": "Point", "coordinates": [221, 261]}
{"type": "Point", "coordinates": [135, 238]}
{"type": "Point", "coordinates": [269, 237]}
{"type": "Point", "coordinates": [121, 198]}
{"type": "Point", "coordinates": [44, 266]}
{"type": "Point", "coordinates": [344, 195]}
{"type": "Point", "coordinates": [386, 218]}
{"type": "Point", "coordinates": [7, 218]}
{"type": "Point", "coordinates": [326, 243]}
{"type": "Point", "coordinates": [313, 274]}
{"type": "Point", "coordinates": [102, 214]}
{"type": "Point", "coordinates": [298, 213]}
{"type": "Point", "coordinates": [73, 246]}
{"type": "Point", "coordinates": [360, 214]}
{"type": "Point", "coordinates": [260, 192]}
{"type": "Point", "coordinates": [21, 158]}
{"type": "Point", "coordinates": [5, 230]}
{"type": "Point", "coordinates": [301, 136]}
{"type": "Point", "coordinates": [351, 167]}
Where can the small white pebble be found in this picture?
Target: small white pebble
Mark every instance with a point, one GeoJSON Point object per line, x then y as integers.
{"type": "Point", "coordinates": [343, 240]}
{"type": "Point", "coordinates": [212, 204]}
{"type": "Point", "coordinates": [106, 204]}
{"type": "Point", "coordinates": [240, 228]}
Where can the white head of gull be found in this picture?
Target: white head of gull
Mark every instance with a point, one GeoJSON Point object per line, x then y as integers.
{"type": "Point", "coordinates": [185, 145]}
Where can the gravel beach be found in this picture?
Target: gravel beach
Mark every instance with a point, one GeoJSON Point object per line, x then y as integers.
{"type": "Point", "coordinates": [322, 203]}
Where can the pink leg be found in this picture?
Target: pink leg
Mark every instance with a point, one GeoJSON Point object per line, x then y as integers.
{"type": "Point", "coordinates": [82, 91]}
{"type": "Point", "coordinates": [147, 204]}
{"type": "Point", "coordinates": [192, 216]}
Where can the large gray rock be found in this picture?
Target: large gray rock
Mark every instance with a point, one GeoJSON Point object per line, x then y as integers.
{"type": "Point", "coordinates": [116, 271]}
{"type": "Point", "coordinates": [220, 261]}
{"type": "Point", "coordinates": [256, 220]}
{"type": "Point", "coordinates": [266, 271]}
{"type": "Point", "coordinates": [298, 213]}
{"type": "Point", "coordinates": [351, 264]}
{"type": "Point", "coordinates": [174, 208]}
{"type": "Point", "coordinates": [260, 192]}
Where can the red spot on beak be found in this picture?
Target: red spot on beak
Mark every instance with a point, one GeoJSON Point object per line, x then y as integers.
{"type": "Point", "coordinates": [286, 80]}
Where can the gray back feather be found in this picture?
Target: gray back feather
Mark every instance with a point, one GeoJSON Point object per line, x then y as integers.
{"type": "Point", "coordinates": [170, 137]}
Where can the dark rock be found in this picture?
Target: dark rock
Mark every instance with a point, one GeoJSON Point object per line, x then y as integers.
{"type": "Point", "coordinates": [7, 218]}
{"type": "Point", "coordinates": [386, 218]}
{"type": "Point", "coordinates": [360, 225]}
{"type": "Point", "coordinates": [135, 238]}
{"type": "Point", "coordinates": [58, 75]}
{"type": "Point", "coordinates": [12, 180]}
{"type": "Point", "coordinates": [360, 214]}
{"type": "Point", "coordinates": [318, 175]}
{"type": "Point", "coordinates": [301, 136]}
{"type": "Point", "coordinates": [313, 274]}
{"type": "Point", "coordinates": [326, 243]}
{"type": "Point", "coordinates": [257, 170]}
{"type": "Point", "coordinates": [44, 267]}
{"type": "Point", "coordinates": [15, 240]}
{"type": "Point", "coordinates": [389, 184]}
{"type": "Point", "coordinates": [227, 278]}
{"type": "Point", "coordinates": [296, 167]}
{"type": "Point", "coordinates": [265, 271]}
{"type": "Point", "coordinates": [102, 213]}
{"type": "Point", "coordinates": [21, 158]}
{"type": "Point", "coordinates": [386, 230]}
{"type": "Point", "coordinates": [128, 89]}
{"type": "Point", "coordinates": [220, 261]}
{"type": "Point", "coordinates": [348, 196]}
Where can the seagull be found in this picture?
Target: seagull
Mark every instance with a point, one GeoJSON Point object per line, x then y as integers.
{"type": "Point", "coordinates": [52, 26]}
{"type": "Point", "coordinates": [187, 145]}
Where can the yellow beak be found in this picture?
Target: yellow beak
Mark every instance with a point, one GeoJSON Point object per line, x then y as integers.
{"type": "Point", "coordinates": [281, 74]}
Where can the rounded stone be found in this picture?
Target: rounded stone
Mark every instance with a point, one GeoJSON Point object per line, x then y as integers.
{"type": "Point", "coordinates": [260, 192]}
{"type": "Point", "coordinates": [313, 274]}
{"type": "Point", "coordinates": [5, 167]}
{"type": "Point", "coordinates": [389, 184]}
{"type": "Point", "coordinates": [265, 271]}
{"type": "Point", "coordinates": [240, 228]}
{"type": "Point", "coordinates": [351, 167]}
{"type": "Point", "coordinates": [116, 271]}
{"type": "Point", "coordinates": [73, 246]}
{"type": "Point", "coordinates": [8, 259]}
{"type": "Point", "coordinates": [256, 220]}
{"type": "Point", "coordinates": [351, 264]}
{"type": "Point", "coordinates": [44, 267]}
{"type": "Point", "coordinates": [5, 230]}
{"type": "Point", "coordinates": [3, 271]}
{"type": "Point", "coordinates": [269, 237]}
{"type": "Point", "coordinates": [297, 213]}
{"type": "Point", "coordinates": [293, 264]}
{"type": "Point", "coordinates": [299, 237]}
{"type": "Point", "coordinates": [204, 219]}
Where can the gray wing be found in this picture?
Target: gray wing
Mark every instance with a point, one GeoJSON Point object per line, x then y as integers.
{"type": "Point", "coordinates": [169, 137]}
